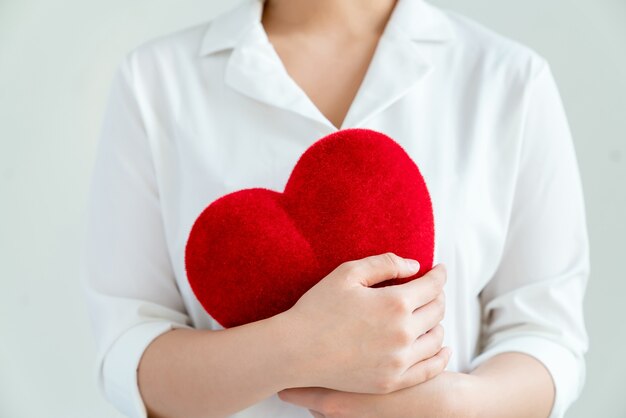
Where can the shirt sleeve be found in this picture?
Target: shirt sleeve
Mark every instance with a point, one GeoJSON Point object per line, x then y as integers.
{"type": "Point", "coordinates": [533, 303]}
{"type": "Point", "coordinates": [127, 278]}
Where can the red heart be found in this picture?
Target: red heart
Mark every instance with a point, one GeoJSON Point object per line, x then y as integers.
{"type": "Point", "coordinates": [252, 253]}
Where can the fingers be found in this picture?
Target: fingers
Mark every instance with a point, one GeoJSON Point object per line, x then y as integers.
{"type": "Point", "coordinates": [426, 369]}
{"type": "Point", "coordinates": [427, 345]}
{"type": "Point", "coordinates": [423, 290]}
{"type": "Point", "coordinates": [306, 397]}
{"type": "Point", "coordinates": [429, 315]}
{"type": "Point", "coordinates": [377, 268]}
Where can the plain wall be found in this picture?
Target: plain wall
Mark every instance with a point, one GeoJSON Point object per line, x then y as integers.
{"type": "Point", "coordinates": [56, 63]}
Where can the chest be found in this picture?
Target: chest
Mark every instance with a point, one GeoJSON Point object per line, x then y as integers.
{"type": "Point", "coordinates": [241, 126]}
{"type": "Point", "coordinates": [328, 70]}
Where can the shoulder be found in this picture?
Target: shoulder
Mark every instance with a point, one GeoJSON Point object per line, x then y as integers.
{"type": "Point", "coordinates": [158, 68]}
{"type": "Point", "coordinates": [485, 51]}
{"type": "Point", "coordinates": [167, 49]}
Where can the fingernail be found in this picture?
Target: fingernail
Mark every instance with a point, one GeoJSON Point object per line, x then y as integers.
{"type": "Point", "coordinates": [414, 265]}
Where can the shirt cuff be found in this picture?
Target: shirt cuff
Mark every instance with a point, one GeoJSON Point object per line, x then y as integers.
{"type": "Point", "coordinates": [117, 374]}
{"type": "Point", "coordinates": [567, 370]}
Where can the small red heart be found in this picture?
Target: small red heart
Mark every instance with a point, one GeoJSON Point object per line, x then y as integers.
{"type": "Point", "coordinates": [252, 253]}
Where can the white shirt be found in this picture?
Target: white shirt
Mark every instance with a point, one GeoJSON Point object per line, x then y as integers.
{"type": "Point", "coordinates": [210, 109]}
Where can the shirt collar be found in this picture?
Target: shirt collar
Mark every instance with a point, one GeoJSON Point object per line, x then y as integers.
{"type": "Point", "coordinates": [417, 20]}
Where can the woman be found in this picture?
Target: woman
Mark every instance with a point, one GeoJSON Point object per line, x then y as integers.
{"type": "Point", "coordinates": [231, 104]}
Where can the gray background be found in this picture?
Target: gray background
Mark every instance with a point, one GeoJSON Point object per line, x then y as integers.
{"type": "Point", "coordinates": [56, 63]}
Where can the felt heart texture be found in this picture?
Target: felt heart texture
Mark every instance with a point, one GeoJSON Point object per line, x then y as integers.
{"type": "Point", "coordinates": [252, 253]}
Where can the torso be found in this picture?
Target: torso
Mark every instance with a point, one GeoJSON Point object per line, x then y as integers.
{"type": "Point", "coordinates": [229, 120]}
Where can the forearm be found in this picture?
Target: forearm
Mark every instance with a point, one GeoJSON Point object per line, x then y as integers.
{"type": "Point", "coordinates": [511, 385]}
{"type": "Point", "coordinates": [199, 374]}
{"type": "Point", "coordinates": [202, 373]}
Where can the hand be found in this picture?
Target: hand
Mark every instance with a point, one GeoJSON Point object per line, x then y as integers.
{"type": "Point", "coordinates": [446, 395]}
{"type": "Point", "coordinates": [356, 338]}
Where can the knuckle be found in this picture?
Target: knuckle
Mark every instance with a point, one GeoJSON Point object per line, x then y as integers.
{"type": "Point", "coordinates": [441, 311]}
{"type": "Point", "coordinates": [384, 385]}
{"type": "Point", "coordinates": [441, 302]}
{"type": "Point", "coordinates": [435, 284]}
{"type": "Point", "coordinates": [420, 374]}
{"type": "Point", "coordinates": [435, 366]}
{"type": "Point", "coordinates": [390, 261]}
{"type": "Point", "coordinates": [442, 272]}
{"type": "Point", "coordinates": [396, 362]}
{"type": "Point", "coordinates": [440, 364]}
{"type": "Point", "coordinates": [398, 303]}
{"type": "Point", "coordinates": [399, 335]}
{"type": "Point", "coordinates": [343, 268]}
{"type": "Point", "coordinates": [429, 373]}
{"type": "Point", "coordinates": [402, 337]}
{"type": "Point", "coordinates": [441, 314]}
{"type": "Point", "coordinates": [439, 279]}
{"type": "Point", "coordinates": [352, 269]}
{"type": "Point", "coordinates": [443, 277]}
{"type": "Point", "coordinates": [438, 334]}
{"type": "Point", "coordinates": [435, 346]}
{"type": "Point", "coordinates": [348, 265]}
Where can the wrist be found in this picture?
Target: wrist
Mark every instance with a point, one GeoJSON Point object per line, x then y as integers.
{"type": "Point", "coordinates": [291, 351]}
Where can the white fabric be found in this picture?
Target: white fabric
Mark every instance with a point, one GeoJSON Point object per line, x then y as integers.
{"type": "Point", "coordinates": [210, 109]}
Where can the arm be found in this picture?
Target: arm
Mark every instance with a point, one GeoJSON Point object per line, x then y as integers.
{"type": "Point", "coordinates": [216, 372]}
{"type": "Point", "coordinates": [128, 281]}
{"type": "Point", "coordinates": [532, 362]}
{"type": "Point", "coordinates": [534, 302]}
{"type": "Point", "coordinates": [150, 358]}
{"type": "Point", "coordinates": [147, 346]}
{"type": "Point", "coordinates": [509, 385]}
{"type": "Point", "coordinates": [221, 372]}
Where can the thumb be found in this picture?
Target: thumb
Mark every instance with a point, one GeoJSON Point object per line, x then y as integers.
{"type": "Point", "coordinates": [378, 268]}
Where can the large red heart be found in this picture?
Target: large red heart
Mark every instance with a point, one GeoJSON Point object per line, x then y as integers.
{"type": "Point", "coordinates": [252, 253]}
